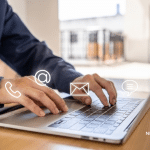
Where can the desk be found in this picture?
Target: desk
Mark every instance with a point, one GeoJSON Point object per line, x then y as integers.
{"type": "Point", "coordinates": [11, 139]}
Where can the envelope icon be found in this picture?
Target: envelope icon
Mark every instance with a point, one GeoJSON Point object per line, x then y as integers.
{"type": "Point", "coordinates": [82, 86]}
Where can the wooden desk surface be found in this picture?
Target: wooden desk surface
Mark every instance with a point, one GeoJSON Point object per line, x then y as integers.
{"type": "Point", "coordinates": [11, 139]}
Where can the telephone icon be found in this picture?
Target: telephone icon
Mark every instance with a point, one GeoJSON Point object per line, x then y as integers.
{"type": "Point", "coordinates": [8, 87]}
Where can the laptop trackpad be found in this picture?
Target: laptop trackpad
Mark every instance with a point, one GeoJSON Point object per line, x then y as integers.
{"type": "Point", "coordinates": [24, 117]}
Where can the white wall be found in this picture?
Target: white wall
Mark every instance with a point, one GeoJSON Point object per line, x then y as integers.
{"type": "Point", "coordinates": [19, 6]}
{"type": "Point", "coordinates": [41, 17]}
{"type": "Point", "coordinates": [137, 30]}
{"type": "Point", "coordinates": [113, 23]}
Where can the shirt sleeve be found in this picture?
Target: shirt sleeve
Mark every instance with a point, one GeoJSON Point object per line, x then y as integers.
{"type": "Point", "coordinates": [26, 54]}
{"type": "Point", "coordinates": [1, 105]}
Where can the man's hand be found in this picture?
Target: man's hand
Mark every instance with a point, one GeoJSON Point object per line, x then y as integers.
{"type": "Point", "coordinates": [96, 84]}
{"type": "Point", "coordinates": [32, 95]}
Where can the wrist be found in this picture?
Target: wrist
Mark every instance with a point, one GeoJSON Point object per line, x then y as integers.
{"type": "Point", "coordinates": [1, 105]}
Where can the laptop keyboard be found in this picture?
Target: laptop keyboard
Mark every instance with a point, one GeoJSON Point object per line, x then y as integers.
{"type": "Point", "coordinates": [97, 118]}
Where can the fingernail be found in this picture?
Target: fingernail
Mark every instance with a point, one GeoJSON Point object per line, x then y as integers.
{"type": "Point", "coordinates": [56, 110]}
{"type": "Point", "coordinates": [42, 113]}
{"type": "Point", "coordinates": [107, 104]}
{"type": "Point", "coordinates": [65, 108]}
{"type": "Point", "coordinates": [87, 101]}
{"type": "Point", "coordinates": [114, 101]}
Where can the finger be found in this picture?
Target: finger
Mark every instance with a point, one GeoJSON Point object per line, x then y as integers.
{"type": "Point", "coordinates": [84, 99]}
{"type": "Point", "coordinates": [29, 104]}
{"type": "Point", "coordinates": [41, 97]}
{"type": "Point", "coordinates": [39, 103]}
{"type": "Point", "coordinates": [97, 89]}
{"type": "Point", "coordinates": [82, 95]}
{"type": "Point", "coordinates": [60, 103]}
{"type": "Point", "coordinates": [115, 92]}
{"type": "Point", "coordinates": [114, 88]}
{"type": "Point", "coordinates": [108, 86]}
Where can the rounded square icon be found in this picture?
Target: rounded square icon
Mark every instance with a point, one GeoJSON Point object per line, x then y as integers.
{"type": "Point", "coordinates": [42, 77]}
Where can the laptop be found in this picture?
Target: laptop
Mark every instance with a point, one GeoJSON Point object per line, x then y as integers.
{"type": "Point", "coordinates": [112, 124]}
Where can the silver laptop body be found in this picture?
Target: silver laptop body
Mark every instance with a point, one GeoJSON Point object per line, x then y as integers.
{"type": "Point", "coordinates": [112, 125]}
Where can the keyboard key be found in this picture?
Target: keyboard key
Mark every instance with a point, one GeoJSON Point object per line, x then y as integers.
{"type": "Point", "coordinates": [136, 105]}
{"type": "Point", "coordinates": [84, 121]}
{"type": "Point", "coordinates": [127, 113]}
{"type": "Point", "coordinates": [69, 123]}
{"type": "Point", "coordinates": [83, 109]}
{"type": "Point", "coordinates": [77, 126]}
{"type": "Point", "coordinates": [121, 111]}
{"type": "Point", "coordinates": [111, 122]}
{"type": "Point", "coordinates": [87, 113]}
{"type": "Point", "coordinates": [54, 125]}
{"type": "Point", "coordinates": [75, 113]}
{"type": "Point", "coordinates": [112, 128]}
{"type": "Point", "coordinates": [114, 118]}
{"type": "Point", "coordinates": [124, 109]}
{"type": "Point", "coordinates": [116, 124]}
{"type": "Point", "coordinates": [131, 103]}
{"type": "Point", "coordinates": [118, 114]}
{"type": "Point", "coordinates": [122, 102]}
{"type": "Point", "coordinates": [100, 119]}
{"type": "Point", "coordinates": [90, 111]}
{"type": "Point", "coordinates": [122, 119]}
{"type": "Point", "coordinates": [125, 116]}
{"type": "Point", "coordinates": [93, 109]}
{"type": "Point", "coordinates": [91, 125]}
{"type": "Point", "coordinates": [109, 113]}
{"type": "Point", "coordinates": [99, 112]}
{"type": "Point", "coordinates": [97, 122]}
{"type": "Point", "coordinates": [119, 105]}
{"type": "Point", "coordinates": [59, 121]}
{"type": "Point", "coordinates": [119, 121]}
{"type": "Point", "coordinates": [94, 116]}
{"type": "Point", "coordinates": [130, 107]}
{"type": "Point", "coordinates": [85, 129]}
{"type": "Point", "coordinates": [89, 119]}
{"type": "Point", "coordinates": [105, 108]}
{"type": "Point", "coordinates": [104, 116]}
{"type": "Point", "coordinates": [62, 121]}
{"type": "Point", "coordinates": [81, 116]}
{"type": "Point", "coordinates": [106, 125]}
{"type": "Point", "coordinates": [66, 118]}
{"type": "Point", "coordinates": [101, 130]}
{"type": "Point", "coordinates": [70, 116]}
{"type": "Point", "coordinates": [109, 132]}
{"type": "Point", "coordinates": [75, 120]}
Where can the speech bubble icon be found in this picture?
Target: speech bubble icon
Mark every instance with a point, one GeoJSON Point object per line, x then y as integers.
{"type": "Point", "coordinates": [129, 86]}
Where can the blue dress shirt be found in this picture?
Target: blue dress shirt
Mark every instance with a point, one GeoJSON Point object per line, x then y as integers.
{"type": "Point", "coordinates": [26, 54]}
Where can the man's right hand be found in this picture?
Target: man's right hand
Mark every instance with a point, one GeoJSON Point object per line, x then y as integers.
{"type": "Point", "coordinates": [32, 95]}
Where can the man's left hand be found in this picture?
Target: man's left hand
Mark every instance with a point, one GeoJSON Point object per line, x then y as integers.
{"type": "Point", "coordinates": [96, 85]}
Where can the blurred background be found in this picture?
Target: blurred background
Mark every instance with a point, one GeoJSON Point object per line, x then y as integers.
{"type": "Point", "coordinates": [109, 37]}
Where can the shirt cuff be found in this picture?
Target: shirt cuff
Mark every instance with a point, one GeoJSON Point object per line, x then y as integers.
{"type": "Point", "coordinates": [1, 105]}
